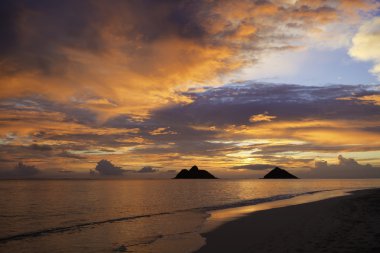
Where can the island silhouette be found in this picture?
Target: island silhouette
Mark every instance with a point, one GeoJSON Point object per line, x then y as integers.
{"type": "Point", "coordinates": [194, 173]}
{"type": "Point", "coordinates": [278, 173]}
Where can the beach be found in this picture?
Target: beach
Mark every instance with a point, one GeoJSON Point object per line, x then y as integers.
{"type": "Point", "coordinates": [343, 224]}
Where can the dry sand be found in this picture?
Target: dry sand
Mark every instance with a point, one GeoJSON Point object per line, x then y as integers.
{"type": "Point", "coordinates": [344, 224]}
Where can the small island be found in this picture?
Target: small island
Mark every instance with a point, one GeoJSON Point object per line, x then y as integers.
{"type": "Point", "coordinates": [194, 173]}
{"type": "Point", "coordinates": [278, 173]}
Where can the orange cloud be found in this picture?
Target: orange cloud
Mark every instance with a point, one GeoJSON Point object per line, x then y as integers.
{"type": "Point", "coordinates": [261, 117]}
{"type": "Point", "coordinates": [374, 99]}
{"type": "Point", "coordinates": [369, 99]}
{"type": "Point", "coordinates": [121, 58]}
{"type": "Point", "coordinates": [313, 131]}
{"type": "Point", "coordinates": [127, 59]}
{"type": "Point", "coordinates": [162, 130]}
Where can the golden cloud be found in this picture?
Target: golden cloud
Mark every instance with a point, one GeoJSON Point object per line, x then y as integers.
{"type": "Point", "coordinates": [373, 99]}
{"type": "Point", "coordinates": [262, 117]}
{"type": "Point", "coordinates": [327, 132]}
{"type": "Point", "coordinates": [366, 44]}
{"type": "Point", "coordinates": [123, 58]}
{"type": "Point", "coordinates": [369, 99]}
{"type": "Point", "coordinates": [161, 131]}
{"type": "Point", "coordinates": [126, 59]}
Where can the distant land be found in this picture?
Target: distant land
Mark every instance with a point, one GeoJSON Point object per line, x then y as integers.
{"type": "Point", "coordinates": [194, 173]}
{"type": "Point", "coordinates": [278, 173]}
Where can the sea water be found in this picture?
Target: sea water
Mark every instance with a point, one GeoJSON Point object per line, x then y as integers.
{"type": "Point", "coordinates": [141, 215]}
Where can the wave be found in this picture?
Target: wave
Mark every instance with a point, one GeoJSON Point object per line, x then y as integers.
{"type": "Point", "coordinates": [251, 202]}
{"type": "Point", "coordinates": [62, 229]}
{"type": "Point", "coordinates": [72, 227]}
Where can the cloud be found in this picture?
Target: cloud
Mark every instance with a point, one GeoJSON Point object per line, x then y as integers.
{"type": "Point", "coordinates": [253, 167]}
{"type": "Point", "coordinates": [365, 44]}
{"type": "Point", "coordinates": [215, 127]}
{"type": "Point", "coordinates": [373, 99]}
{"type": "Point", "coordinates": [261, 117]}
{"type": "Point", "coordinates": [70, 155]}
{"type": "Point", "coordinates": [234, 104]}
{"type": "Point", "coordinates": [41, 147]}
{"type": "Point", "coordinates": [214, 130]}
{"type": "Point", "coordinates": [106, 56]}
{"type": "Point", "coordinates": [147, 169]}
{"type": "Point", "coordinates": [345, 168]}
{"type": "Point", "coordinates": [21, 170]}
{"type": "Point", "coordinates": [25, 170]}
{"type": "Point", "coordinates": [84, 80]}
{"type": "Point", "coordinates": [106, 168]}
{"type": "Point", "coordinates": [162, 130]}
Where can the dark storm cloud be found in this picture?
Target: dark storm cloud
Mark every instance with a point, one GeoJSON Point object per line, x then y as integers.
{"type": "Point", "coordinates": [35, 30]}
{"type": "Point", "coordinates": [235, 104]}
{"type": "Point", "coordinates": [7, 26]}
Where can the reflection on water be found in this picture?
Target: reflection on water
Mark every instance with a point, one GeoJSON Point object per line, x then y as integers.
{"type": "Point", "coordinates": [144, 215]}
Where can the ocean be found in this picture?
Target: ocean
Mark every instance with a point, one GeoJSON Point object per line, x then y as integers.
{"type": "Point", "coordinates": [140, 215]}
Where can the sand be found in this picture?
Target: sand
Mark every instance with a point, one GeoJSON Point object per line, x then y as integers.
{"type": "Point", "coordinates": [343, 224]}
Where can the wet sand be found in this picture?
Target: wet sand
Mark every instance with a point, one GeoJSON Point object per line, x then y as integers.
{"type": "Point", "coordinates": [343, 224]}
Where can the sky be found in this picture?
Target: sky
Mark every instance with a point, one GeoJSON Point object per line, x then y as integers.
{"type": "Point", "coordinates": [144, 88]}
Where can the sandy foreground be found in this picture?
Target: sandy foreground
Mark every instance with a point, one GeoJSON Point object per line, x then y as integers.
{"type": "Point", "coordinates": [343, 224]}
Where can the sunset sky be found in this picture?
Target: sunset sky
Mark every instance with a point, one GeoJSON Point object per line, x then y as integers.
{"type": "Point", "coordinates": [233, 86]}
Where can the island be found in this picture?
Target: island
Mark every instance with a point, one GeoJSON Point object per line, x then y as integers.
{"type": "Point", "coordinates": [278, 173]}
{"type": "Point", "coordinates": [194, 173]}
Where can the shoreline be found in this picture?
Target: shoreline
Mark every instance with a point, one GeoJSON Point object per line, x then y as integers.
{"type": "Point", "coordinates": [349, 223]}
{"type": "Point", "coordinates": [225, 215]}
